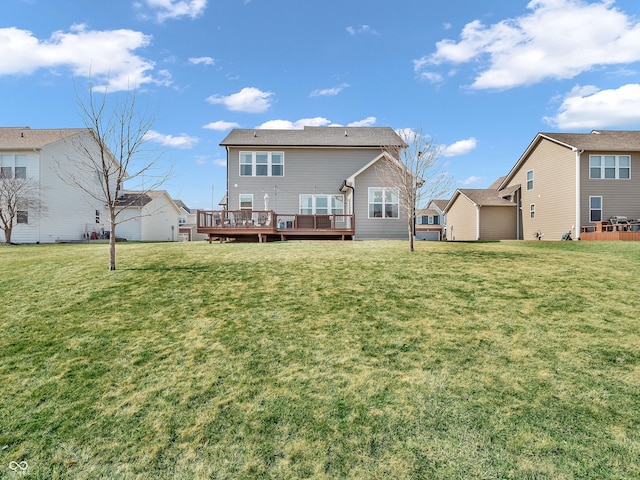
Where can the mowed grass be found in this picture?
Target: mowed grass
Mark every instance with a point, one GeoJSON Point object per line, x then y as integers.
{"type": "Point", "coordinates": [323, 360]}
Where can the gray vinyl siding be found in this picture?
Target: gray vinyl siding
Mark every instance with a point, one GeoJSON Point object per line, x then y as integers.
{"type": "Point", "coordinates": [497, 223]}
{"type": "Point", "coordinates": [619, 197]}
{"type": "Point", "coordinates": [553, 193]}
{"type": "Point", "coordinates": [376, 228]}
{"type": "Point", "coordinates": [310, 171]}
{"type": "Point", "coordinates": [461, 220]}
{"type": "Point", "coordinates": [314, 171]}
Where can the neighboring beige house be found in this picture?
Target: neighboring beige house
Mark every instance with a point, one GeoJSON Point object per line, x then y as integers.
{"type": "Point", "coordinates": [481, 214]}
{"type": "Point", "coordinates": [148, 217]}
{"type": "Point", "coordinates": [563, 182]}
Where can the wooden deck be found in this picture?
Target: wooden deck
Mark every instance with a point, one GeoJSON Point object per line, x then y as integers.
{"type": "Point", "coordinates": [603, 231]}
{"type": "Point", "coordinates": [265, 225]}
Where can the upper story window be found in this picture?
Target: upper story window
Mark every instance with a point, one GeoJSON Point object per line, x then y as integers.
{"type": "Point", "coordinates": [530, 180]}
{"type": "Point", "coordinates": [383, 203]}
{"type": "Point", "coordinates": [13, 166]}
{"type": "Point", "coordinates": [610, 166]}
{"type": "Point", "coordinates": [261, 164]}
{"type": "Point", "coordinates": [182, 219]}
{"type": "Point", "coordinates": [429, 220]}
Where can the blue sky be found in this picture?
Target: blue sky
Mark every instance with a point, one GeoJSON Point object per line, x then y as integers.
{"type": "Point", "coordinates": [481, 77]}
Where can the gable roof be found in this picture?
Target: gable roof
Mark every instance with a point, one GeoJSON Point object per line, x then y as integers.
{"type": "Point", "coordinates": [481, 197]}
{"type": "Point", "coordinates": [441, 204]}
{"type": "Point", "coordinates": [315, 137]}
{"type": "Point", "coordinates": [23, 138]}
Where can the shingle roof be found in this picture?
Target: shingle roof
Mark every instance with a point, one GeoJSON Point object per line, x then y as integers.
{"type": "Point", "coordinates": [608, 140]}
{"type": "Point", "coordinates": [20, 138]}
{"type": "Point", "coordinates": [440, 204]}
{"type": "Point", "coordinates": [314, 137]}
{"type": "Point", "coordinates": [485, 197]}
{"type": "Point", "coordinates": [133, 199]}
{"type": "Point", "coordinates": [181, 204]}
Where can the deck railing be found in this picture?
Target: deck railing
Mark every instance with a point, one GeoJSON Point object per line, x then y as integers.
{"type": "Point", "coordinates": [221, 220]}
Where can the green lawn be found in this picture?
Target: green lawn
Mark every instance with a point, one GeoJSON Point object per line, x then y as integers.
{"type": "Point", "coordinates": [322, 360]}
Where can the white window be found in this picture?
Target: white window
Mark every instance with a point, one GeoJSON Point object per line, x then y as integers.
{"type": "Point", "coordinates": [384, 203]}
{"type": "Point", "coordinates": [532, 210]}
{"type": "Point", "coordinates": [182, 219]}
{"type": "Point", "coordinates": [610, 166]}
{"type": "Point", "coordinates": [530, 180]}
{"type": "Point", "coordinates": [246, 201]}
{"type": "Point", "coordinates": [22, 212]}
{"type": "Point", "coordinates": [595, 209]}
{"type": "Point", "coordinates": [13, 166]}
{"type": "Point", "coordinates": [97, 216]}
{"type": "Point", "coordinates": [321, 204]}
{"type": "Point", "coordinates": [261, 164]}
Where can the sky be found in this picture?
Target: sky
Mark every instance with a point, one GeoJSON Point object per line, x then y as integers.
{"type": "Point", "coordinates": [481, 78]}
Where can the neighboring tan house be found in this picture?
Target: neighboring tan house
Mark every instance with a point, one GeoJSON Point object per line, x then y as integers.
{"type": "Point", "coordinates": [581, 183]}
{"type": "Point", "coordinates": [481, 214]}
{"type": "Point", "coordinates": [39, 154]}
{"type": "Point", "coordinates": [430, 221]}
{"type": "Point", "coordinates": [317, 182]}
{"type": "Point", "coordinates": [573, 181]}
{"type": "Point", "coordinates": [148, 217]}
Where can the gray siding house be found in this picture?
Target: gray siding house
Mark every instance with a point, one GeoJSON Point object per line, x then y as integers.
{"type": "Point", "coordinates": [316, 182]}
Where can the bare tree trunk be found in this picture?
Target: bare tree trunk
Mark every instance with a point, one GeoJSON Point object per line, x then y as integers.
{"type": "Point", "coordinates": [7, 235]}
{"type": "Point", "coordinates": [411, 249]}
{"type": "Point", "coordinates": [112, 243]}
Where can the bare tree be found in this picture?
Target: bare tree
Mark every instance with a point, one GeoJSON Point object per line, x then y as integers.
{"type": "Point", "coordinates": [19, 201]}
{"type": "Point", "coordinates": [413, 170]}
{"type": "Point", "coordinates": [114, 152]}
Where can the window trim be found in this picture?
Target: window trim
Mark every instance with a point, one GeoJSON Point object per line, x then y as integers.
{"type": "Point", "coordinates": [240, 207]}
{"type": "Point", "coordinates": [591, 209]}
{"type": "Point", "coordinates": [243, 154]}
{"type": "Point", "coordinates": [530, 180]}
{"type": "Point", "coordinates": [602, 167]}
{"type": "Point", "coordinates": [384, 203]}
{"type": "Point", "coordinates": [532, 211]}
{"type": "Point", "coordinates": [331, 209]}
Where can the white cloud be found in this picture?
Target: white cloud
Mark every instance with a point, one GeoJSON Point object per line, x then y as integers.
{"type": "Point", "coordinates": [362, 29]}
{"type": "Point", "coordinates": [182, 141]}
{"type": "Point", "coordinates": [170, 9]}
{"type": "Point", "coordinates": [312, 122]}
{"type": "Point", "coordinates": [461, 147]}
{"type": "Point", "coordinates": [249, 100]}
{"type": "Point", "coordinates": [365, 122]}
{"type": "Point", "coordinates": [588, 108]}
{"type": "Point", "coordinates": [470, 181]}
{"type": "Point", "coordinates": [221, 126]}
{"type": "Point", "coordinates": [557, 39]}
{"type": "Point", "coordinates": [108, 56]}
{"type": "Point", "coordinates": [328, 92]}
{"type": "Point", "coordinates": [297, 125]}
{"type": "Point", "coordinates": [202, 60]}
{"type": "Point", "coordinates": [220, 162]}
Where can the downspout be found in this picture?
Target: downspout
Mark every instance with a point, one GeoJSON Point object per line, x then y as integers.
{"type": "Point", "coordinates": [353, 202]}
{"type": "Point", "coordinates": [518, 214]}
{"type": "Point", "coordinates": [478, 207]}
{"type": "Point", "coordinates": [578, 213]}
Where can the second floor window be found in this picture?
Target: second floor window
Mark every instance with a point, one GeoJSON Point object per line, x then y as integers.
{"type": "Point", "coordinates": [610, 166]}
{"type": "Point", "coordinates": [261, 164]}
{"type": "Point", "coordinates": [13, 166]}
{"type": "Point", "coordinates": [530, 180]}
